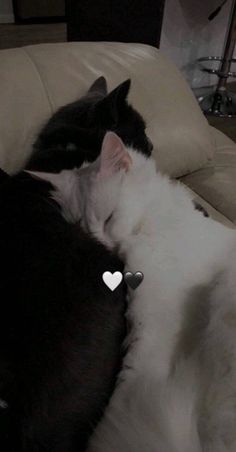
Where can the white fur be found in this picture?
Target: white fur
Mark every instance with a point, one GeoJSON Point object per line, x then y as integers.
{"type": "Point", "coordinates": [177, 388]}
{"type": "Point", "coordinates": [156, 405]}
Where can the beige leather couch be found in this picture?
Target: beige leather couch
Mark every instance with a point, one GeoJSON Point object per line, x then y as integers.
{"type": "Point", "coordinates": [36, 80]}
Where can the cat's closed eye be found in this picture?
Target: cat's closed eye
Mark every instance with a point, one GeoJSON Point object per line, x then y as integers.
{"type": "Point", "coordinates": [108, 219]}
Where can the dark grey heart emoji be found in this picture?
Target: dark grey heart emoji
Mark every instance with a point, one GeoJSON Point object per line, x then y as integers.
{"type": "Point", "coordinates": [133, 279]}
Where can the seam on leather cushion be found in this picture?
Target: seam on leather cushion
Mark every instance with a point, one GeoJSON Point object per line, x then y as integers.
{"type": "Point", "coordinates": [39, 74]}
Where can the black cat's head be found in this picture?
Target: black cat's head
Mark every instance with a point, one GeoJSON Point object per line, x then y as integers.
{"type": "Point", "coordinates": [101, 111]}
{"type": "Point", "coordinates": [75, 132]}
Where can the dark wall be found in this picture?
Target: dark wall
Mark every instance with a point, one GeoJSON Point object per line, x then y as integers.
{"type": "Point", "coordinates": [115, 20]}
{"type": "Point", "coordinates": [34, 10]}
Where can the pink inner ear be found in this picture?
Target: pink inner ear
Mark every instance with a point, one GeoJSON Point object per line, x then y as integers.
{"type": "Point", "coordinates": [114, 155]}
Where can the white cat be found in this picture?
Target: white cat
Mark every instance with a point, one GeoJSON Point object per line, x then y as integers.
{"type": "Point", "coordinates": [177, 388]}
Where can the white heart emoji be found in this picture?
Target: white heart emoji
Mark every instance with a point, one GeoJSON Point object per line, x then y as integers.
{"type": "Point", "coordinates": [112, 280]}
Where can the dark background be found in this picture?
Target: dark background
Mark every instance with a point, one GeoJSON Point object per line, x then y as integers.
{"type": "Point", "coordinates": [115, 20]}
{"type": "Point", "coordinates": [97, 20]}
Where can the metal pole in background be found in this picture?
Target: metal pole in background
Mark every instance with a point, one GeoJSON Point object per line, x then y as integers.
{"type": "Point", "coordinates": [222, 102]}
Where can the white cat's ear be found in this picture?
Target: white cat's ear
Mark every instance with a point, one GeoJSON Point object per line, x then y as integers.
{"type": "Point", "coordinates": [54, 178]}
{"type": "Point", "coordinates": [114, 156]}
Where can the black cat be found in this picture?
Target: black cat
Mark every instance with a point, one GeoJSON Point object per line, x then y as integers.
{"type": "Point", "coordinates": [61, 328]}
{"type": "Point", "coordinates": [75, 132]}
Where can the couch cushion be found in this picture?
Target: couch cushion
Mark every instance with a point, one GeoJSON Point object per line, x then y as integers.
{"type": "Point", "coordinates": [36, 80]}
{"type": "Point", "coordinates": [216, 182]}
{"type": "Point", "coordinates": [212, 212]}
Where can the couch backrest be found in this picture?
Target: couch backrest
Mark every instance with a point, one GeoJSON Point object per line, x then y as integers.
{"type": "Point", "coordinates": [36, 80]}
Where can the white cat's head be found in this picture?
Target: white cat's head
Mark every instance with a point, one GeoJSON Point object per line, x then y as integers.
{"type": "Point", "coordinates": [109, 196]}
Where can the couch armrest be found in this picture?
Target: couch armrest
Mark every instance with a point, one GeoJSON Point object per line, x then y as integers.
{"type": "Point", "coordinates": [216, 182]}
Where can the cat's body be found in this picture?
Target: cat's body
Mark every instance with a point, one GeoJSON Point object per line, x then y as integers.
{"type": "Point", "coordinates": [62, 329]}
{"type": "Point", "coordinates": [177, 388]}
{"type": "Point", "coordinates": [155, 407]}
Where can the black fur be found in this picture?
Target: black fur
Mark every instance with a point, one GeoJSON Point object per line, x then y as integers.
{"type": "Point", "coordinates": [61, 328]}
{"type": "Point", "coordinates": [75, 132]}
{"type": "Point", "coordinates": [3, 176]}
{"type": "Point", "coordinates": [199, 207]}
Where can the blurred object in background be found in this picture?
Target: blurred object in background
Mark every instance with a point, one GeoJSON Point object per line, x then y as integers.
{"type": "Point", "coordinates": [221, 101]}
{"type": "Point", "coordinates": [38, 11]}
{"type": "Point", "coordinates": [187, 35]}
{"type": "Point", "coordinates": [112, 20]}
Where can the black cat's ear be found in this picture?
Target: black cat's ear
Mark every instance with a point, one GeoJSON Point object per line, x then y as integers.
{"type": "Point", "coordinates": [111, 105]}
{"type": "Point", "coordinates": [118, 96]}
{"type": "Point", "coordinates": [99, 86]}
